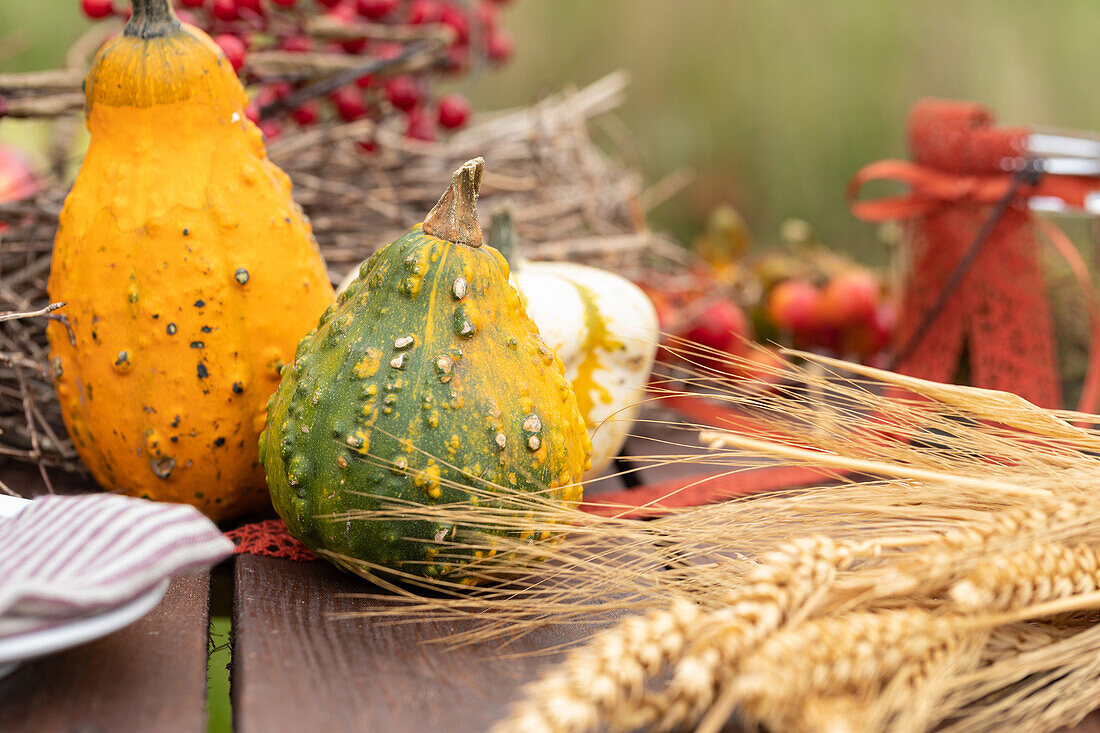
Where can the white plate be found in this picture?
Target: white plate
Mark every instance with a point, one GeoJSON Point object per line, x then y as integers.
{"type": "Point", "coordinates": [15, 649]}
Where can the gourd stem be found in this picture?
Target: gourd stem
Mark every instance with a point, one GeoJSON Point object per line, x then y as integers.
{"type": "Point", "coordinates": [454, 218]}
{"type": "Point", "coordinates": [151, 19]}
{"type": "Point", "coordinates": [502, 235]}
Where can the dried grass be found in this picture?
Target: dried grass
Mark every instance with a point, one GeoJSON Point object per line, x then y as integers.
{"type": "Point", "coordinates": [948, 579]}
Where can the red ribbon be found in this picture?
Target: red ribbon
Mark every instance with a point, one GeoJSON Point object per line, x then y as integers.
{"type": "Point", "coordinates": [932, 189]}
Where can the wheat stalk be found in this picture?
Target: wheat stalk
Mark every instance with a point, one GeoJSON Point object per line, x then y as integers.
{"type": "Point", "coordinates": [605, 680]}
{"type": "Point", "coordinates": [939, 587]}
{"type": "Point", "coordinates": [607, 677]}
{"type": "Point", "coordinates": [782, 587]}
{"type": "Point", "coordinates": [1012, 640]}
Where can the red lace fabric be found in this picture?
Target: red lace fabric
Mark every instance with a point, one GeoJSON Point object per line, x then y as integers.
{"type": "Point", "coordinates": [1000, 311]}
{"type": "Point", "coordinates": [269, 538]}
{"type": "Point", "coordinates": [999, 316]}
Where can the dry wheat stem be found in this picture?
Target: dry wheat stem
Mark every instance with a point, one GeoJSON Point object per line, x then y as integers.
{"type": "Point", "coordinates": [717, 440]}
{"type": "Point", "coordinates": [1004, 407]}
{"type": "Point", "coordinates": [1012, 640]}
{"type": "Point", "coordinates": [605, 681]}
{"type": "Point", "coordinates": [30, 314]}
{"type": "Point", "coordinates": [961, 517]}
{"type": "Point", "coordinates": [1039, 689]}
{"type": "Point", "coordinates": [615, 666]}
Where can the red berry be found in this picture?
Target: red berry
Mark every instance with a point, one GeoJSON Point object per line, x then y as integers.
{"type": "Point", "coordinates": [403, 92]}
{"type": "Point", "coordinates": [186, 16]}
{"type": "Point", "coordinates": [192, 3]}
{"type": "Point", "coordinates": [252, 6]}
{"type": "Point", "coordinates": [365, 81]}
{"type": "Point", "coordinates": [452, 16]}
{"type": "Point", "coordinates": [271, 129]}
{"type": "Point", "coordinates": [285, 3]}
{"type": "Point", "coordinates": [486, 14]}
{"type": "Point", "coordinates": [368, 146]}
{"type": "Point", "coordinates": [296, 44]}
{"type": "Point", "coordinates": [265, 97]}
{"type": "Point", "coordinates": [225, 10]}
{"type": "Point", "coordinates": [453, 111]}
{"type": "Point", "coordinates": [354, 47]}
{"type": "Point", "coordinates": [328, 3]}
{"type": "Point", "coordinates": [233, 48]}
{"type": "Point", "coordinates": [279, 90]}
{"type": "Point", "coordinates": [345, 15]}
{"type": "Point", "coordinates": [17, 179]}
{"type": "Point", "coordinates": [375, 9]}
{"type": "Point", "coordinates": [307, 114]}
{"type": "Point", "coordinates": [342, 14]}
{"type": "Point", "coordinates": [387, 51]}
{"type": "Point", "coordinates": [349, 104]}
{"type": "Point", "coordinates": [420, 126]}
{"type": "Point", "coordinates": [457, 58]}
{"type": "Point", "coordinates": [97, 9]}
{"type": "Point", "coordinates": [499, 46]}
{"type": "Point", "coordinates": [722, 326]}
{"type": "Point", "coordinates": [424, 11]}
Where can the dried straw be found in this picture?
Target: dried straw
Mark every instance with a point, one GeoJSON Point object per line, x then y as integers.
{"type": "Point", "coordinates": [962, 598]}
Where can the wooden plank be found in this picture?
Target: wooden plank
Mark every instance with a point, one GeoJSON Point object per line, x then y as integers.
{"type": "Point", "coordinates": [294, 668]}
{"type": "Point", "coordinates": [149, 676]}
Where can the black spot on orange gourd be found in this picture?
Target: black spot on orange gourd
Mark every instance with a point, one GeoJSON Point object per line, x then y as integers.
{"type": "Point", "coordinates": [409, 389]}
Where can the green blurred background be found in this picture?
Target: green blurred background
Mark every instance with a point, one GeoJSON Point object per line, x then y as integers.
{"type": "Point", "coordinates": [772, 103]}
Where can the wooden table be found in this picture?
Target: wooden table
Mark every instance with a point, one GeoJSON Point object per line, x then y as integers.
{"type": "Point", "coordinates": [293, 668]}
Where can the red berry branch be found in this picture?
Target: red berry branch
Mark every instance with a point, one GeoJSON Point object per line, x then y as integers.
{"type": "Point", "coordinates": [306, 61]}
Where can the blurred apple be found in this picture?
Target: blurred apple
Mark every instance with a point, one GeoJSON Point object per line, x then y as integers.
{"type": "Point", "coordinates": [865, 340]}
{"type": "Point", "coordinates": [849, 299]}
{"type": "Point", "coordinates": [721, 326]}
{"type": "Point", "coordinates": [721, 330]}
{"type": "Point", "coordinates": [793, 306]}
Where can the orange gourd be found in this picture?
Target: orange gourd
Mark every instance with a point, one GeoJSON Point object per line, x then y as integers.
{"type": "Point", "coordinates": [189, 273]}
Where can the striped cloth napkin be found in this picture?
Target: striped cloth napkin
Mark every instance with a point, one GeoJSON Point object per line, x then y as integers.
{"type": "Point", "coordinates": [71, 556]}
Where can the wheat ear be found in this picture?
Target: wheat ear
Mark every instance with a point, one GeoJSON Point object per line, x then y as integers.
{"type": "Point", "coordinates": [936, 568]}
{"type": "Point", "coordinates": [1043, 572]}
{"type": "Point", "coordinates": [856, 654]}
{"type": "Point", "coordinates": [777, 589]}
{"type": "Point", "coordinates": [603, 682]}
{"type": "Point", "coordinates": [605, 675]}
